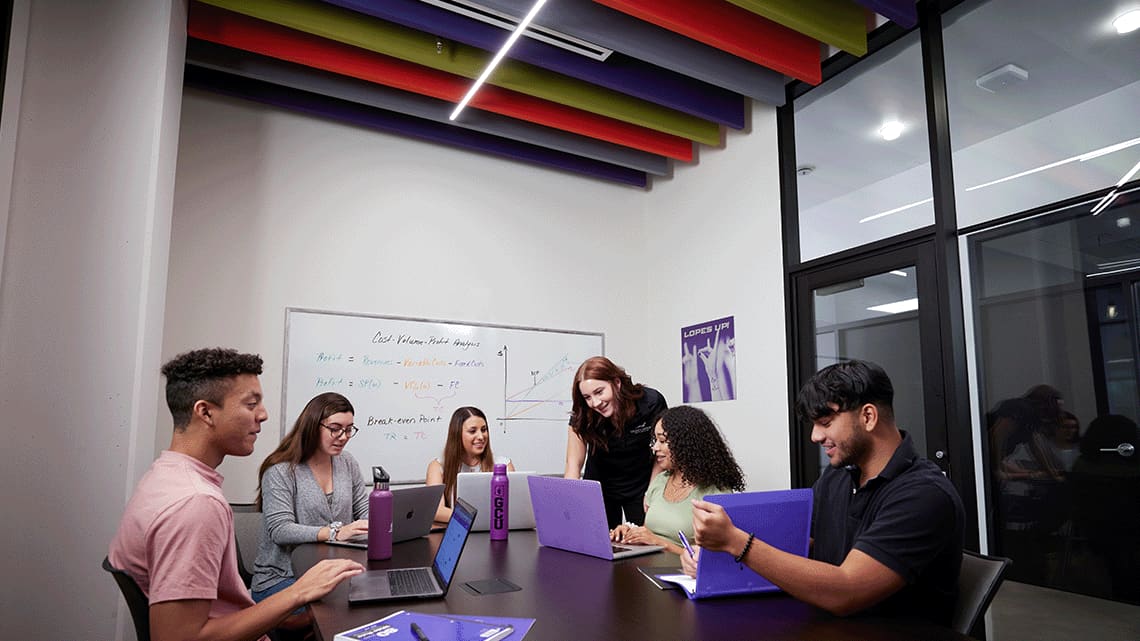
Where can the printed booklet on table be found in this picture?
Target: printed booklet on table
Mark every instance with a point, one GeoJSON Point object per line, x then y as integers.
{"type": "Point", "coordinates": [439, 627]}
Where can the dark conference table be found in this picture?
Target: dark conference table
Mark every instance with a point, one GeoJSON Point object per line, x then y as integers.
{"type": "Point", "coordinates": [572, 596]}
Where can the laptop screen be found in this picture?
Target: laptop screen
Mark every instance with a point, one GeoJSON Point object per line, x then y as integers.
{"type": "Point", "coordinates": [447, 556]}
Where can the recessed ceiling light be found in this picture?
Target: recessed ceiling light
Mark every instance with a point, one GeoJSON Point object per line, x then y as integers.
{"type": "Point", "coordinates": [897, 307]}
{"type": "Point", "coordinates": [1127, 22]}
{"type": "Point", "coordinates": [891, 130]}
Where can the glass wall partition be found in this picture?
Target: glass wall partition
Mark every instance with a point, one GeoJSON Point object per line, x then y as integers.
{"type": "Point", "coordinates": [862, 154]}
{"type": "Point", "coordinates": [1056, 303]}
{"type": "Point", "coordinates": [1042, 103]}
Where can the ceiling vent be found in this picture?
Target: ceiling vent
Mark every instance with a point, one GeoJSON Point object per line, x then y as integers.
{"type": "Point", "coordinates": [1002, 78]}
{"type": "Point", "coordinates": [509, 22]}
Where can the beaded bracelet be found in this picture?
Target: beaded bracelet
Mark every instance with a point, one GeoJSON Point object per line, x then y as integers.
{"type": "Point", "coordinates": [747, 546]}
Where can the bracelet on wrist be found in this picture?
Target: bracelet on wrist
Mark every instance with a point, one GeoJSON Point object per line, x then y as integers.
{"type": "Point", "coordinates": [747, 546]}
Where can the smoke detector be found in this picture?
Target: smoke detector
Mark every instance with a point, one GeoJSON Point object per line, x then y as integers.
{"type": "Point", "coordinates": [804, 170]}
{"type": "Point", "coordinates": [1001, 78]}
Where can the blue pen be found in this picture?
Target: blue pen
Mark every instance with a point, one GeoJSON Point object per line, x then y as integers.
{"type": "Point", "coordinates": [685, 542]}
{"type": "Point", "coordinates": [419, 633]}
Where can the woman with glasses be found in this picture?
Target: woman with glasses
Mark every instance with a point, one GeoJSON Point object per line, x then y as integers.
{"type": "Point", "coordinates": [695, 461]}
{"type": "Point", "coordinates": [610, 422]}
{"type": "Point", "coordinates": [468, 449]}
{"type": "Point", "coordinates": [310, 490]}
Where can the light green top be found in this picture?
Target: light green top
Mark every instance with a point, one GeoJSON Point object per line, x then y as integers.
{"type": "Point", "coordinates": [664, 517]}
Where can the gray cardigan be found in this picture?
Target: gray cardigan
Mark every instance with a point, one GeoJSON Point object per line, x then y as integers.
{"type": "Point", "coordinates": [294, 509]}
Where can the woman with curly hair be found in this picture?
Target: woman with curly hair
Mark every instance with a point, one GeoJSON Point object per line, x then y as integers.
{"type": "Point", "coordinates": [696, 461]}
{"type": "Point", "coordinates": [611, 419]}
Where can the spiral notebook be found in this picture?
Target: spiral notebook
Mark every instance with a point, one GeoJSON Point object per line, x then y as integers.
{"type": "Point", "coordinates": [439, 627]}
{"type": "Point", "coordinates": [780, 518]}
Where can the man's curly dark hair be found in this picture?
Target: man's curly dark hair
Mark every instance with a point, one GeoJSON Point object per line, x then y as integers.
{"type": "Point", "coordinates": [203, 374]}
{"type": "Point", "coordinates": [699, 452]}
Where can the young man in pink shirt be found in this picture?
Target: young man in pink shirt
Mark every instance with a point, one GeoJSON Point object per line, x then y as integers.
{"type": "Point", "coordinates": [176, 537]}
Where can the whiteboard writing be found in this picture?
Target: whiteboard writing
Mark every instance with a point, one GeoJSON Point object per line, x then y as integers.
{"type": "Point", "coordinates": [406, 376]}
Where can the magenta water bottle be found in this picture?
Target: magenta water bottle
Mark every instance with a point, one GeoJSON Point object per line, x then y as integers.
{"type": "Point", "coordinates": [500, 498]}
{"type": "Point", "coordinates": [380, 517]}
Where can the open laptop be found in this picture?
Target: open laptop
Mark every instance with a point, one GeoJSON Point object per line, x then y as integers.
{"type": "Point", "coordinates": [413, 509]}
{"type": "Point", "coordinates": [419, 583]}
{"type": "Point", "coordinates": [781, 518]}
{"type": "Point", "coordinates": [569, 515]}
{"type": "Point", "coordinates": [475, 488]}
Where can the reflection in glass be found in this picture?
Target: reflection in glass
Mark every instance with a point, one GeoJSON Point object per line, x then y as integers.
{"type": "Point", "coordinates": [861, 146]}
{"type": "Point", "coordinates": [876, 319]}
{"type": "Point", "coordinates": [1042, 103]}
{"type": "Point", "coordinates": [1055, 307]}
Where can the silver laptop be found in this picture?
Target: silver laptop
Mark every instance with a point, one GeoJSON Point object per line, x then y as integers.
{"type": "Point", "coordinates": [475, 488]}
{"type": "Point", "coordinates": [419, 583]}
{"type": "Point", "coordinates": [413, 509]}
{"type": "Point", "coordinates": [569, 515]}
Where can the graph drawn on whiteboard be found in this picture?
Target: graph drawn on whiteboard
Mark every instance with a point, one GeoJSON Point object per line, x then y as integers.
{"type": "Point", "coordinates": [542, 393]}
{"type": "Point", "coordinates": [405, 377]}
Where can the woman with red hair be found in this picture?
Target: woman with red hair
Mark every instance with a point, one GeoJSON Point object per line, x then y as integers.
{"type": "Point", "coordinates": [611, 425]}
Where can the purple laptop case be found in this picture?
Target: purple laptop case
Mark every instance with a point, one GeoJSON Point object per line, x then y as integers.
{"type": "Point", "coordinates": [569, 515]}
{"type": "Point", "coordinates": [781, 518]}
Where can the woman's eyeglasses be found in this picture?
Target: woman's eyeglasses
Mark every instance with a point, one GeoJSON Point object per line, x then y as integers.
{"type": "Point", "coordinates": [337, 431]}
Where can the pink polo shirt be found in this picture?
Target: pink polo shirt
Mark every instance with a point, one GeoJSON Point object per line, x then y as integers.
{"type": "Point", "coordinates": [176, 537]}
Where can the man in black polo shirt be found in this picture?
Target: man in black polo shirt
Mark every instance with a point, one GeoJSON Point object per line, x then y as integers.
{"type": "Point", "coordinates": [887, 524]}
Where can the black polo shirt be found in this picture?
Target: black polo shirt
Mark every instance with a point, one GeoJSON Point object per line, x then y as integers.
{"type": "Point", "coordinates": [625, 465]}
{"type": "Point", "coordinates": [909, 518]}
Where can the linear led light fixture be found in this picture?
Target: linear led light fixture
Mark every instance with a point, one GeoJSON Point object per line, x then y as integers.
{"type": "Point", "coordinates": [897, 307]}
{"type": "Point", "coordinates": [1115, 271]}
{"type": "Point", "coordinates": [1101, 205]}
{"type": "Point", "coordinates": [1096, 153]}
{"type": "Point", "coordinates": [1111, 196]}
{"type": "Point", "coordinates": [497, 59]}
{"type": "Point", "coordinates": [895, 210]}
{"type": "Point", "coordinates": [1117, 263]}
{"type": "Point", "coordinates": [536, 32]}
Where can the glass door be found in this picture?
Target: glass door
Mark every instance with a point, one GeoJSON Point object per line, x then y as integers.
{"type": "Point", "coordinates": [876, 309]}
{"type": "Point", "coordinates": [1056, 304]}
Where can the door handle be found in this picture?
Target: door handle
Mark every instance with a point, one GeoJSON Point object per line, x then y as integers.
{"type": "Point", "coordinates": [1124, 449]}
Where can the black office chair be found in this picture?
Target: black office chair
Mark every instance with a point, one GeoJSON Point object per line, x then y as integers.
{"type": "Point", "coordinates": [978, 582]}
{"type": "Point", "coordinates": [247, 529]}
{"type": "Point", "coordinates": [136, 600]}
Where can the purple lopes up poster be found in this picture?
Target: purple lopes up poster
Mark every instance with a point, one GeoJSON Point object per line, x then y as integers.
{"type": "Point", "coordinates": [708, 361]}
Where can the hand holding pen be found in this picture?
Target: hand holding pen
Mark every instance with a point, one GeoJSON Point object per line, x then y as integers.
{"type": "Point", "coordinates": [689, 559]}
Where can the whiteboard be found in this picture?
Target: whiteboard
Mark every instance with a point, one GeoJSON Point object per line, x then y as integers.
{"type": "Point", "coordinates": [405, 377]}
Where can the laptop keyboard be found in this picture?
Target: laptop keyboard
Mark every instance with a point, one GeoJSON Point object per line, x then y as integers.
{"type": "Point", "coordinates": [408, 582]}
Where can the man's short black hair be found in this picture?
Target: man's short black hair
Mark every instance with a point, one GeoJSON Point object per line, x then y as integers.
{"type": "Point", "coordinates": [203, 374]}
{"type": "Point", "coordinates": [850, 384]}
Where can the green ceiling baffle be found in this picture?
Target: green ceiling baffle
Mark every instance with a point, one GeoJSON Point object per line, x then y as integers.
{"type": "Point", "coordinates": [840, 23]}
{"type": "Point", "coordinates": [424, 49]}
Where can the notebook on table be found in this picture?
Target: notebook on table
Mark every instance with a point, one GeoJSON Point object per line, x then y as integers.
{"type": "Point", "coordinates": [781, 518]}
{"type": "Point", "coordinates": [475, 488]}
{"type": "Point", "coordinates": [569, 515]}
{"type": "Point", "coordinates": [413, 509]}
{"type": "Point", "coordinates": [419, 583]}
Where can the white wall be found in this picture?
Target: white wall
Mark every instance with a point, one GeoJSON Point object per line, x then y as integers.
{"type": "Point", "coordinates": [87, 217]}
{"type": "Point", "coordinates": [714, 249]}
{"type": "Point", "coordinates": [276, 209]}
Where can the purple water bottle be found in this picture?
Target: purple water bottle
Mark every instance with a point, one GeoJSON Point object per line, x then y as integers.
{"type": "Point", "coordinates": [500, 498]}
{"type": "Point", "coordinates": [380, 517]}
